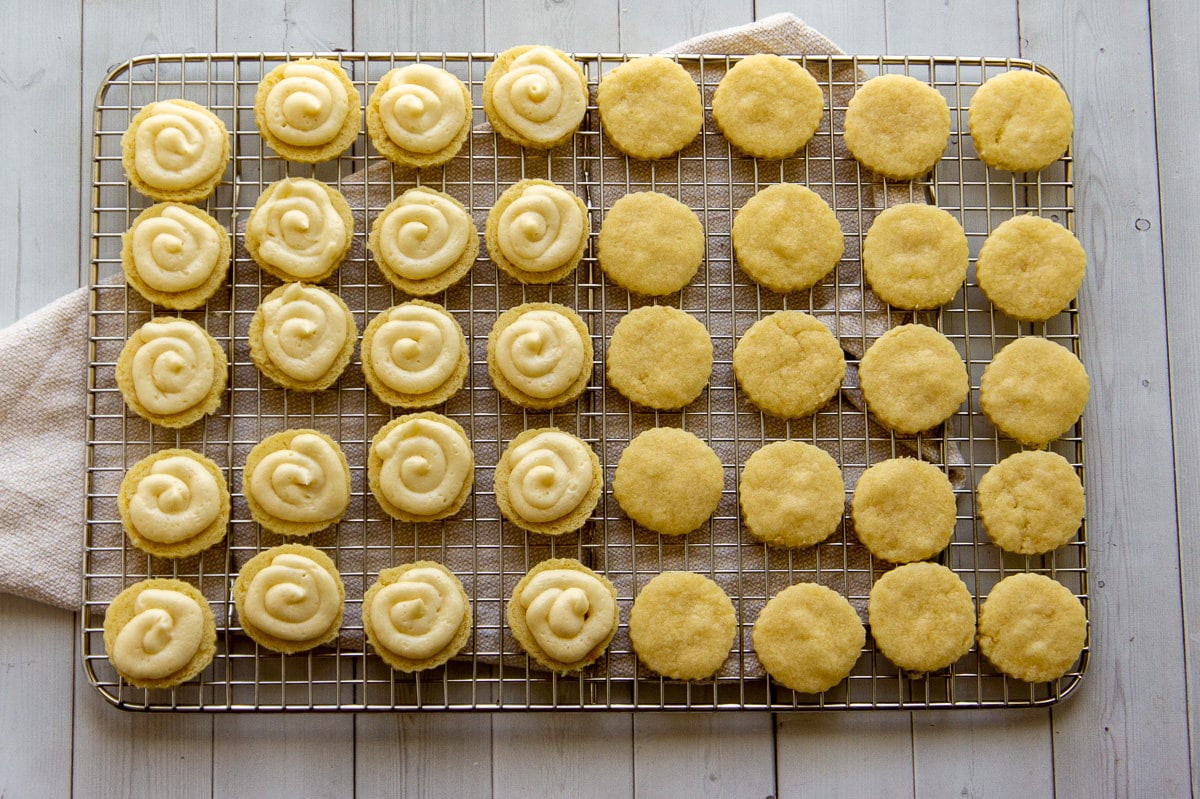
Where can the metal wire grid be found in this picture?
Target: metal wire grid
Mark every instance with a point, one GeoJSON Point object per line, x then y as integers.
{"type": "Point", "coordinates": [490, 554]}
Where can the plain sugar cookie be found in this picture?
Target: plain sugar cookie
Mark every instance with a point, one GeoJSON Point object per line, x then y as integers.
{"type": "Point", "coordinates": [904, 510]}
{"type": "Point", "coordinates": [660, 357]}
{"type": "Point", "coordinates": [1032, 627]}
{"type": "Point", "coordinates": [808, 638]}
{"type": "Point", "coordinates": [650, 107]}
{"type": "Point", "coordinates": [789, 364]}
{"type": "Point", "coordinates": [913, 378]}
{"type": "Point", "coordinates": [787, 238]}
{"type": "Point", "coordinates": [768, 106]}
{"type": "Point", "coordinates": [1030, 268]}
{"type": "Point", "coordinates": [915, 256]}
{"type": "Point", "coordinates": [1034, 390]}
{"type": "Point", "coordinates": [922, 617]}
{"type": "Point", "coordinates": [1031, 502]}
{"type": "Point", "coordinates": [650, 243]}
{"type": "Point", "coordinates": [682, 625]}
{"type": "Point", "coordinates": [897, 126]}
{"type": "Point", "coordinates": [792, 494]}
{"type": "Point", "coordinates": [668, 481]}
{"type": "Point", "coordinates": [1021, 121]}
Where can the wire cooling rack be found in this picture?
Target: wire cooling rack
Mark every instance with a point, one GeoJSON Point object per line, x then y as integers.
{"type": "Point", "coordinates": [488, 553]}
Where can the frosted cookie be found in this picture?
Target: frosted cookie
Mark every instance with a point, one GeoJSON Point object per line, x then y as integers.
{"type": "Point", "coordinates": [548, 481]}
{"type": "Point", "coordinates": [1020, 121]}
{"type": "Point", "coordinates": [175, 255]}
{"type": "Point", "coordinates": [904, 510]}
{"type": "Point", "coordinates": [1031, 502]}
{"type": "Point", "coordinates": [171, 372]}
{"type": "Point", "coordinates": [174, 503]}
{"type": "Point", "coordinates": [420, 467]}
{"type": "Point", "coordinates": [1032, 627]}
{"type": "Point", "coordinates": [1030, 268]}
{"type": "Point", "coordinates": [682, 626]}
{"type": "Point", "coordinates": [915, 256]}
{"type": "Point", "coordinates": [296, 482]}
{"type": "Point", "coordinates": [787, 238]}
{"type": "Point", "coordinates": [897, 126]}
{"type": "Point", "coordinates": [300, 229]}
{"type": "Point", "coordinates": [419, 115]}
{"type": "Point", "coordinates": [1034, 390]}
{"type": "Point", "coordinates": [913, 378]}
{"type": "Point", "coordinates": [789, 364]}
{"type": "Point", "coordinates": [424, 241]}
{"type": "Point", "coordinates": [650, 107]}
{"type": "Point", "coordinates": [540, 355]}
{"type": "Point", "coordinates": [159, 633]}
{"type": "Point", "coordinates": [563, 614]}
{"type": "Point", "coordinates": [808, 638]}
{"type": "Point", "coordinates": [175, 150]}
{"type": "Point", "coordinates": [660, 357]}
{"type": "Point", "coordinates": [922, 617]}
{"type": "Point", "coordinates": [768, 106]}
{"type": "Point", "coordinates": [302, 337]}
{"type": "Point", "coordinates": [535, 96]}
{"type": "Point", "coordinates": [668, 480]}
{"type": "Point", "coordinates": [416, 616]}
{"type": "Point", "coordinates": [792, 494]}
{"type": "Point", "coordinates": [650, 243]}
{"type": "Point", "coordinates": [290, 598]}
{"type": "Point", "coordinates": [307, 110]}
{"type": "Point", "coordinates": [537, 231]}
{"type": "Point", "coordinates": [414, 355]}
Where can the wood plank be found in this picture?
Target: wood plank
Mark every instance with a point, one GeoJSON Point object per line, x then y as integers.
{"type": "Point", "coordinates": [1126, 732]}
{"type": "Point", "coordinates": [935, 27]}
{"type": "Point", "coordinates": [703, 754]}
{"type": "Point", "coordinates": [562, 754]}
{"type": "Point", "coordinates": [647, 27]}
{"type": "Point", "coordinates": [423, 754]}
{"type": "Point", "coordinates": [586, 26]}
{"type": "Point", "coordinates": [391, 25]}
{"type": "Point", "coordinates": [274, 25]}
{"type": "Point", "coordinates": [982, 752]}
{"type": "Point", "coordinates": [835, 755]}
{"type": "Point", "coordinates": [857, 26]}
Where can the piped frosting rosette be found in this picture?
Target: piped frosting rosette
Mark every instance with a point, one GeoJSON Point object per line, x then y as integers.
{"type": "Point", "coordinates": [290, 598]}
{"type": "Point", "coordinates": [159, 633]}
{"type": "Point", "coordinates": [302, 336]}
{"type": "Point", "coordinates": [535, 96]}
{"type": "Point", "coordinates": [300, 229]}
{"type": "Point", "coordinates": [563, 614]}
{"type": "Point", "coordinates": [296, 482]}
{"type": "Point", "coordinates": [174, 503]}
{"type": "Point", "coordinates": [424, 241]}
{"type": "Point", "coordinates": [548, 481]}
{"type": "Point", "coordinates": [171, 372]}
{"type": "Point", "coordinates": [416, 616]}
{"type": "Point", "coordinates": [414, 355]}
{"type": "Point", "coordinates": [540, 355]}
{"type": "Point", "coordinates": [307, 110]}
{"type": "Point", "coordinates": [420, 467]}
{"type": "Point", "coordinates": [537, 231]}
{"type": "Point", "coordinates": [419, 115]}
{"type": "Point", "coordinates": [175, 150]}
{"type": "Point", "coordinates": [175, 255]}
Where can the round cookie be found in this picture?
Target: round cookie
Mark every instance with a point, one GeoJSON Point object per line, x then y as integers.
{"type": "Point", "coordinates": [416, 616]}
{"type": "Point", "coordinates": [808, 638]}
{"type": "Point", "coordinates": [650, 243]}
{"type": "Point", "coordinates": [1030, 268]}
{"type": "Point", "coordinates": [660, 357]}
{"type": "Point", "coordinates": [668, 481]}
{"type": "Point", "coordinates": [174, 503]}
{"type": "Point", "coordinates": [159, 633]}
{"type": "Point", "coordinates": [548, 481]}
{"type": "Point", "coordinates": [296, 482]}
{"type": "Point", "coordinates": [1034, 390]}
{"type": "Point", "coordinates": [1020, 121]}
{"type": "Point", "coordinates": [307, 110]}
{"type": "Point", "coordinates": [419, 115]}
{"type": "Point", "coordinates": [299, 229]}
{"type": "Point", "coordinates": [414, 355]}
{"type": "Point", "coordinates": [897, 126]}
{"type": "Point", "coordinates": [913, 378]}
{"type": "Point", "coordinates": [172, 372]}
{"type": "Point", "coordinates": [175, 255]}
{"type": "Point", "coordinates": [787, 238]}
{"type": "Point", "coordinates": [539, 355]}
{"type": "Point", "coordinates": [537, 231]}
{"type": "Point", "coordinates": [1032, 627]}
{"type": "Point", "coordinates": [305, 614]}
{"type": "Point", "coordinates": [563, 614]}
{"type": "Point", "coordinates": [682, 625]}
{"type": "Point", "coordinates": [424, 241]}
{"type": "Point", "coordinates": [1031, 502]}
{"type": "Point", "coordinates": [789, 364]}
{"type": "Point", "coordinates": [302, 337]}
{"type": "Point", "coordinates": [915, 256]}
{"type": "Point", "coordinates": [650, 107]}
{"type": "Point", "coordinates": [922, 617]}
{"type": "Point", "coordinates": [768, 106]}
{"type": "Point", "coordinates": [535, 96]}
{"type": "Point", "coordinates": [792, 494]}
{"type": "Point", "coordinates": [904, 510]}
{"type": "Point", "coordinates": [420, 467]}
{"type": "Point", "coordinates": [150, 151]}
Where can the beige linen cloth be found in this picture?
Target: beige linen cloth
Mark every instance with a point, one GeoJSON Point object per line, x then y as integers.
{"type": "Point", "coordinates": [43, 384]}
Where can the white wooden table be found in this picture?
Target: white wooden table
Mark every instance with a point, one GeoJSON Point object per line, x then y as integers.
{"type": "Point", "coordinates": [1134, 77]}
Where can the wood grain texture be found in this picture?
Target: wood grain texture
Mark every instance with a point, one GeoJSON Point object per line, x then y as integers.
{"type": "Point", "coordinates": [835, 755]}
{"type": "Point", "coordinates": [961, 28]}
{"type": "Point", "coordinates": [562, 754]}
{"type": "Point", "coordinates": [388, 25]}
{"type": "Point", "coordinates": [423, 754]}
{"type": "Point", "coordinates": [975, 752]}
{"type": "Point", "coordinates": [586, 26]}
{"type": "Point", "coordinates": [288, 25]}
{"type": "Point", "coordinates": [647, 27]}
{"type": "Point", "coordinates": [857, 26]}
{"type": "Point", "coordinates": [703, 754]}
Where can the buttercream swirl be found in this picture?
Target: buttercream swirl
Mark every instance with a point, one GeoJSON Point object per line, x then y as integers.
{"type": "Point", "coordinates": [304, 331]}
{"type": "Point", "coordinates": [173, 368]}
{"type": "Point", "coordinates": [541, 353]}
{"type": "Point", "coordinates": [303, 483]}
{"type": "Point", "coordinates": [176, 501]}
{"type": "Point", "coordinates": [416, 349]}
{"type": "Point", "coordinates": [308, 106]}
{"type": "Point", "coordinates": [422, 107]}
{"type": "Point", "coordinates": [423, 234]}
{"type": "Point", "coordinates": [294, 598]}
{"type": "Point", "coordinates": [174, 250]}
{"type": "Point", "coordinates": [549, 476]}
{"type": "Point", "coordinates": [541, 230]}
{"type": "Point", "coordinates": [540, 96]}
{"type": "Point", "coordinates": [418, 615]}
{"type": "Point", "coordinates": [569, 612]}
{"type": "Point", "coordinates": [425, 464]}
{"type": "Point", "coordinates": [178, 146]}
{"type": "Point", "coordinates": [298, 229]}
{"type": "Point", "coordinates": [162, 637]}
